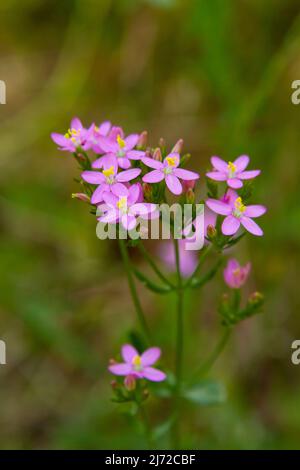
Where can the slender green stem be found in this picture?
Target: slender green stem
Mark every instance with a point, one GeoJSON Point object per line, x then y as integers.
{"type": "Point", "coordinates": [153, 265]}
{"type": "Point", "coordinates": [204, 368]}
{"type": "Point", "coordinates": [179, 347]}
{"type": "Point", "coordinates": [147, 428]}
{"type": "Point", "coordinates": [201, 261]}
{"type": "Point", "coordinates": [135, 298]}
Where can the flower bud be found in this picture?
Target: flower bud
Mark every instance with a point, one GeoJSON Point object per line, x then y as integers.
{"type": "Point", "coordinates": [190, 196]}
{"type": "Point", "coordinates": [157, 155]}
{"type": "Point", "coordinates": [178, 146]}
{"type": "Point", "coordinates": [130, 382]}
{"type": "Point", "coordinates": [186, 185]}
{"type": "Point", "coordinates": [147, 190]}
{"type": "Point", "coordinates": [114, 384]}
{"type": "Point", "coordinates": [142, 142]}
{"type": "Point", "coordinates": [81, 196]}
{"type": "Point", "coordinates": [256, 298]}
{"type": "Point", "coordinates": [211, 231]}
{"type": "Point", "coordinates": [162, 143]}
{"type": "Point", "coordinates": [235, 275]}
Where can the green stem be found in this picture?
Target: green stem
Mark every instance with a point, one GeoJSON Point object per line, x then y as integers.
{"type": "Point", "coordinates": [201, 262]}
{"type": "Point", "coordinates": [215, 354]}
{"type": "Point", "coordinates": [147, 428]}
{"type": "Point", "coordinates": [135, 298]}
{"type": "Point", "coordinates": [153, 265]}
{"type": "Point", "coordinates": [179, 348]}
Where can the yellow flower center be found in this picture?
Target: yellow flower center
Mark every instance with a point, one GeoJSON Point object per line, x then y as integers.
{"type": "Point", "coordinates": [171, 161]}
{"type": "Point", "coordinates": [137, 362]}
{"type": "Point", "coordinates": [109, 172]}
{"type": "Point", "coordinates": [122, 205]}
{"type": "Point", "coordinates": [236, 272]}
{"type": "Point", "coordinates": [121, 142]}
{"type": "Point", "coordinates": [231, 169]}
{"type": "Point", "coordinates": [73, 133]}
{"type": "Point", "coordinates": [239, 207]}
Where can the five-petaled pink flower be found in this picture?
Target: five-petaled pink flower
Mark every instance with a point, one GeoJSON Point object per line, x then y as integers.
{"type": "Point", "coordinates": [232, 172]}
{"type": "Point", "coordinates": [236, 214]}
{"type": "Point", "coordinates": [119, 147]}
{"type": "Point", "coordinates": [109, 180]}
{"type": "Point", "coordinates": [168, 170]}
{"type": "Point", "coordinates": [235, 275]}
{"type": "Point", "coordinates": [126, 207]}
{"type": "Point", "coordinates": [138, 365]}
{"type": "Point", "coordinates": [77, 137]}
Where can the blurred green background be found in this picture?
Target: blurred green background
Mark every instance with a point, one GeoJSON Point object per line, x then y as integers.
{"type": "Point", "coordinates": [216, 73]}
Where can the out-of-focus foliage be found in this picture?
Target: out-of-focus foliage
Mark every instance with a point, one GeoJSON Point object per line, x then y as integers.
{"type": "Point", "coordinates": [216, 73]}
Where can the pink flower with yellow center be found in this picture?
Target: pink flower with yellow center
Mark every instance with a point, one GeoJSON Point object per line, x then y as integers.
{"type": "Point", "coordinates": [77, 137]}
{"type": "Point", "coordinates": [236, 214]}
{"type": "Point", "coordinates": [232, 172]}
{"type": "Point", "coordinates": [235, 275]}
{"type": "Point", "coordinates": [109, 180]}
{"type": "Point", "coordinates": [138, 366]}
{"type": "Point", "coordinates": [122, 148]}
{"type": "Point", "coordinates": [168, 170]}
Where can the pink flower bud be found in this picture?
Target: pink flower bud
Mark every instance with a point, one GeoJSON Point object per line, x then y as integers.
{"type": "Point", "coordinates": [190, 196]}
{"type": "Point", "coordinates": [186, 185]}
{"type": "Point", "coordinates": [211, 231]}
{"type": "Point", "coordinates": [178, 146]}
{"type": "Point", "coordinates": [235, 275]}
{"type": "Point", "coordinates": [142, 142]}
{"type": "Point", "coordinates": [147, 190]}
{"type": "Point", "coordinates": [130, 382]}
{"type": "Point", "coordinates": [157, 155]}
{"type": "Point", "coordinates": [81, 196]}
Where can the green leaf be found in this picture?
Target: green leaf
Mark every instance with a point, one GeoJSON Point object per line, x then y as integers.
{"type": "Point", "coordinates": [205, 393]}
{"type": "Point", "coordinates": [159, 289]}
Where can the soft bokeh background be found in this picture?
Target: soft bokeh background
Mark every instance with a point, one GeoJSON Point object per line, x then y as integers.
{"type": "Point", "coordinates": [216, 73]}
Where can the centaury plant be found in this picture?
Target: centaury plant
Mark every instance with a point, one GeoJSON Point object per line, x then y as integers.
{"type": "Point", "coordinates": [126, 181]}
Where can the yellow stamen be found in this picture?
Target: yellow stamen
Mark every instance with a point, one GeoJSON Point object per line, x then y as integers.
{"type": "Point", "coordinates": [236, 272]}
{"type": "Point", "coordinates": [121, 204]}
{"type": "Point", "coordinates": [121, 142]}
{"type": "Point", "coordinates": [171, 161]}
{"type": "Point", "coordinates": [67, 135]}
{"type": "Point", "coordinates": [231, 167]}
{"type": "Point", "coordinates": [238, 204]}
{"type": "Point", "coordinates": [137, 361]}
{"type": "Point", "coordinates": [109, 172]}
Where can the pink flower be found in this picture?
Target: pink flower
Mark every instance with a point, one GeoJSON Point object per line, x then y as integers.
{"type": "Point", "coordinates": [232, 172]}
{"type": "Point", "coordinates": [168, 170]}
{"type": "Point", "coordinates": [236, 214]}
{"type": "Point", "coordinates": [125, 207]}
{"type": "Point", "coordinates": [235, 275]}
{"type": "Point", "coordinates": [97, 132]}
{"type": "Point", "coordinates": [138, 366]}
{"type": "Point", "coordinates": [77, 137]}
{"type": "Point", "coordinates": [109, 180]}
{"type": "Point", "coordinates": [119, 147]}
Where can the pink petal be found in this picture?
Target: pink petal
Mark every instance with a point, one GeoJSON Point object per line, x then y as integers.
{"type": "Point", "coordinates": [218, 206]}
{"type": "Point", "coordinates": [93, 177]}
{"type": "Point", "coordinates": [251, 226]}
{"type": "Point", "coordinates": [97, 195]}
{"type": "Point", "coordinates": [124, 163]}
{"type": "Point", "coordinates": [215, 175]}
{"type": "Point", "coordinates": [76, 123]}
{"type": "Point", "coordinates": [219, 164]}
{"type": "Point", "coordinates": [153, 374]}
{"type": "Point", "coordinates": [109, 160]}
{"type": "Point", "coordinates": [134, 193]}
{"type": "Point", "coordinates": [98, 163]}
{"type": "Point", "coordinates": [142, 208]}
{"type": "Point", "coordinates": [59, 139]}
{"type": "Point", "coordinates": [255, 211]}
{"type": "Point", "coordinates": [128, 175]}
{"type": "Point", "coordinates": [128, 221]}
{"type": "Point", "coordinates": [110, 199]}
{"type": "Point", "coordinates": [154, 176]}
{"type": "Point", "coordinates": [230, 225]}
{"type": "Point", "coordinates": [128, 353]}
{"type": "Point", "coordinates": [104, 128]}
{"type": "Point", "coordinates": [135, 154]}
{"type": "Point", "coordinates": [150, 356]}
{"type": "Point", "coordinates": [186, 175]}
{"type": "Point", "coordinates": [247, 175]}
{"type": "Point", "coordinates": [119, 189]}
{"type": "Point", "coordinates": [234, 183]}
{"type": "Point", "coordinates": [120, 369]}
{"type": "Point", "coordinates": [107, 144]}
{"type": "Point", "coordinates": [152, 163]}
{"type": "Point", "coordinates": [174, 184]}
{"type": "Point", "coordinates": [241, 162]}
{"type": "Point", "coordinates": [110, 217]}
{"type": "Point", "coordinates": [131, 141]}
